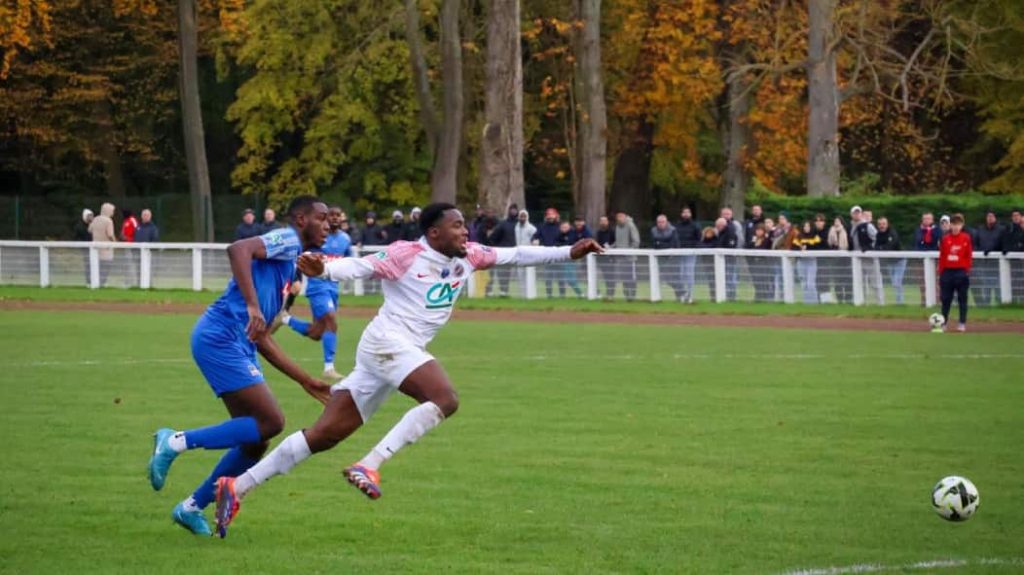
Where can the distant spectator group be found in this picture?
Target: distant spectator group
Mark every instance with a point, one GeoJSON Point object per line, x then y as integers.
{"type": "Point", "coordinates": [93, 228]}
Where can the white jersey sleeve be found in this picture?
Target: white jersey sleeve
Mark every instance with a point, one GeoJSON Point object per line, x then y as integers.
{"type": "Point", "coordinates": [349, 269]}
{"type": "Point", "coordinates": [532, 255]}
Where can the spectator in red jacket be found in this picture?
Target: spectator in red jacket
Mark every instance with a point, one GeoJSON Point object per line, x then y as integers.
{"type": "Point", "coordinates": [955, 255]}
{"type": "Point", "coordinates": [128, 226]}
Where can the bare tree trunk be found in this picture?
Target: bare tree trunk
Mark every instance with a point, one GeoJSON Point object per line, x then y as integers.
{"type": "Point", "coordinates": [195, 146]}
{"type": "Point", "coordinates": [108, 150]}
{"type": "Point", "coordinates": [631, 184]}
{"type": "Point", "coordinates": [823, 95]}
{"type": "Point", "coordinates": [738, 140]}
{"type": "Point", "coordinates": [428, 114]}
{"type": "Point", "coordinates": [501, 174]}
{"type": "Point", "coordinates": [594, 121]}
{"type": "Point", "coordinates": [443, 182]}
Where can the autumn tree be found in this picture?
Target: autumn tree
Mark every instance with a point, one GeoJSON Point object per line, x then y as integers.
{"type": "Point", "coordinates": [501, 169]}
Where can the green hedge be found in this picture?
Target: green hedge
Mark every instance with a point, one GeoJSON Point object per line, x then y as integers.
{"type": "Point", "coordinates": [904, 212]}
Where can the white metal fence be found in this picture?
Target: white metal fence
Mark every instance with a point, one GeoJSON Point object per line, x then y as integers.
{"type": "Point", "coordinates": [873, 278]}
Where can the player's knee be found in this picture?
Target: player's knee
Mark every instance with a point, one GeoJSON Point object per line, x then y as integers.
{"type": "Point", "coordinates": [271, 424]}
{"type": "Point", "coordinates": [448, 404]}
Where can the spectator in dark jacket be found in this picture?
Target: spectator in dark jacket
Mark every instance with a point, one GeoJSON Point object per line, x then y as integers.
{"type": "Point", "coordinates": [709, 240]}
{"type": "Point", "coordinates": [270, 222]}
{"type": "Point", "coordinates": [147, 231]}
{"type": "Point", "coordinates": [412, 231]}
{"type": "Point", "coordinates": [81, 231]}
{"type": "Point", "coordinates": [396, 229]}
{"type": "Point", "coordinates": [888, 241]}
{"type": "Point", "coordinates": [504, 236]}
{"type": "Point", "coordinates": [547, 235]}
{"type": "Point", "coordinates": [1015, 244]}
{"type": "Point", "coordinates": [605, 267]}
{"type": "Point", "coordinates": [756, 217]}
{"type": "Point", "coordinates": [989, 239]}
{"type": "Point", "coordinates": [927, 235]}
{"type": "Point", "coordinates": [374, 234]}
{"type": "Point", "coordinates": [567, 270]}
{"type": "Point", "coordinates": [353, 232]}
{"type": "Point", "coordinates": [476, 227]}
{"type": "Point", "coordinates": [664, 236]}
{"type": "Point", "coordinates": [580, 230]}
{"type": "Point", "coordinates": [688, 231]}
{"type": "Point", "coordinates": [248, 228]}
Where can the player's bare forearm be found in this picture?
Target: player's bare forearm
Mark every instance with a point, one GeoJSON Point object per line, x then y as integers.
{"type": "Point", "coordinates": [273, 353]}
{"type": "Point", "coordinates": [240, 255]}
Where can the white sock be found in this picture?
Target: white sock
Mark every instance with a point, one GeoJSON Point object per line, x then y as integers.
{"type": "Point", "coordinates": [286, 317]}
{"type": "Point", "coordinates": [414, 424]}
{"type": "Point", "coordinates": [190, 505]}
{"type": "Point", "coordinates": [177, 442]}
{"type": "Point", "coordinates": [328, 366]}
{"type": "Point", "coordinates": [292, 451]}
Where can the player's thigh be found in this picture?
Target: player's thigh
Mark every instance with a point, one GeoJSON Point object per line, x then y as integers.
{"type": "Point", "coordinates": [258, 402]}
{"type": "Point", "coordinates": [430, 382]}
{"type": "Point", "coordinates": [367, 389]}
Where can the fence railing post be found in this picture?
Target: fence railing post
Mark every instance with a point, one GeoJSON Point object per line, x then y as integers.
{"type": "Point", "coordinates": [471, 284]}
{"type": "Point", "coordinates": [1005, 285]}
{"type": "Point", "coordinates": [357, 287]}
{"type": "Point", "coordinates": [44, 267]}
{"type": "Point", "coordinates": [928, 267]}
{"type": "Point", "coordinates": [94, 268]}
{"type": "Point", "coordinates": [655, 275]}
{"type": "Point", "coordinates": [719, 294]}
{"type": "Point", "coordinates": [591, 276]}
{"type": "Point", "coordinates": [858, 280]}
{"type": "Point", "coordinates": [788, 280]}
{"type": "Point", "coordinates": [197, 269]}
{"type": "Point", "coordinates": [530, 289]}
{"type": "Point", "coordinates": [145, 268]}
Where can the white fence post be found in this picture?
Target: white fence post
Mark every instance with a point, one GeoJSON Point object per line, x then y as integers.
{"type": "Point", "coordinates": [788, 280]}
{"type": "Point", "coordinates": [858, 280]}
{"type": "Point", "coordinates": [94, 268]}
{"type": "Point", "coordinates": [928, 267]}
{"type": "Point", "coordinates": [471, 285]}
{"type": "Point", "coordinates": [719, 278]}
{"type": "Point", "coordinates": [655, 275]}
{"type": "Point", "coordinates": [357, 287]}
{"type": "Point", "coordinates": [591, 276]}
{"type": "Point", "coordinates": [44, 267]}
{"type": "Point", "coordinates": [531, 283]}
{"type": "Point", "coordinates": [145, 268]}
{"type": "Point", "coordinates": [1005, 285]}
{"type": "Point", "coordinates": [197, 269]}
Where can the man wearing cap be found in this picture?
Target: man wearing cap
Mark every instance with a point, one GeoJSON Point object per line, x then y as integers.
{"type": "Point", "coordinates": [412, 231]}
{"type": "Point", "coordinates": [990, 240]}
{"type": "Point", "coordinates": [396, 229]}
{"type": "Point", "coordinates": [248, 228]}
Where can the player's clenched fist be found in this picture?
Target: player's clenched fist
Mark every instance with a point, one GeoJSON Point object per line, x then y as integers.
{"type": "Point", "coordinates": [584, 247]}
{"type": "Point", "coordinates": [311, 265]}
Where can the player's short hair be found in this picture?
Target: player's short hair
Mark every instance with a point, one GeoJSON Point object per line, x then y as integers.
{"type": "Point", "coordinates": [302, 205]}
{"type": "Point", "coordinates": [433, 214]}
{"type": "Point", "coordinates": [957, 219]}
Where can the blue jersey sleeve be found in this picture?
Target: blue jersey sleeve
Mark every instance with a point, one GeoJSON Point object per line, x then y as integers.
{"type": "Point", "coordinates": [282, 244]}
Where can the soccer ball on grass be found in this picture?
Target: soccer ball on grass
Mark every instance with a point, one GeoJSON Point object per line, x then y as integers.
{"type": "Point", "coordinates": [955, 498]}
{"type": "Point", "coordinates": [936, 320]}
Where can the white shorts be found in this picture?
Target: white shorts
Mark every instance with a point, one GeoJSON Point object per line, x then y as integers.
{"type": "Point", "coordinates": [378, 374]}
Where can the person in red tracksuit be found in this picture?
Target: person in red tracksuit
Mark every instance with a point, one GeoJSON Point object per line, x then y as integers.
{"type": "Point", "coordinates": [955, 255]}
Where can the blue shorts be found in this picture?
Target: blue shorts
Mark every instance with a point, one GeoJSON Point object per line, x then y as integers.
{"type": "Point", "coordinates": [225, 356]}
{"type": "Point", "coordinates": [323, 303]}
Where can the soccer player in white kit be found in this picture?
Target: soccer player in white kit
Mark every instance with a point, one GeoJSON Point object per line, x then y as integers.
{"type": "Point", "coordinates": [422, 280]}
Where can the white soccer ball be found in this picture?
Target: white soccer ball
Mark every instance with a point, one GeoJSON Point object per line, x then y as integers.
{"type": "Point", "coordinates": [955, 498]}
{"type": "Point", "coordinates": [936, 320]}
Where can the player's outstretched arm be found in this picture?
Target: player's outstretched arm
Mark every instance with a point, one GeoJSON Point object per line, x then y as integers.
{"type": "Point", "coordinates": [241, 254]}
{"type": "Point", "coordinates": [583, 247]}
{"type": "Point", "coordinates": [273, 353]}
{"type": "Point", "coordinates": [535, 255]}
{"type": "Point", "coordinates": [344, 269]}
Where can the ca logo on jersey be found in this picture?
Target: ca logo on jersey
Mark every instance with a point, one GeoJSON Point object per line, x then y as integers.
{"type": "Point", "coordinates": [442, 295]}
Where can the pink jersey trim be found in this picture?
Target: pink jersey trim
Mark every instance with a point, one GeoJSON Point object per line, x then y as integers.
{"type": "Point", "coordinates": [480, 257]}
{"type": "Point", "coordinates": [398, 259]}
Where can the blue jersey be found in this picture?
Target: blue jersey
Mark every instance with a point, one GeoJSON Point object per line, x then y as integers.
{"type": "Point", "coordinates": [338, 245]}
{"type": "Point", "coordinates": [271, 277]}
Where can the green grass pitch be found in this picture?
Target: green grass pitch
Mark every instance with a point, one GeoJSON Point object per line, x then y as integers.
{"type": "Point", "coordinates": [577, 449]}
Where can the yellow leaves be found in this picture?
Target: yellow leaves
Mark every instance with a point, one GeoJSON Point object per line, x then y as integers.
{"type": "Point", "coordinates": [22, 27]}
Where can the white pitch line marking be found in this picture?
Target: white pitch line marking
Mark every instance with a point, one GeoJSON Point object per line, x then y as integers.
{"type": "Point", "coordinates": [918, 566]}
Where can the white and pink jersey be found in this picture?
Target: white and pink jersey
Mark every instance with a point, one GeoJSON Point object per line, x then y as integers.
{"type": "Point", "coordinates": [421, 285]}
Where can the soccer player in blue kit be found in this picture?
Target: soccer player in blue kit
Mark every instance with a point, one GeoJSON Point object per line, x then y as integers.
{"type": "Point", "coordinates": [224, 345]}
{"type": "Point", "coordinates": [323, 298]}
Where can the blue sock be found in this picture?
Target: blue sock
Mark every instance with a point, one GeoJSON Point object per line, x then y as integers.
{"type": "Point", "coordinates": [233, 432]}
{"type": "Point", "coordinates": [302, 327]}
{"type": "Point", "coordinates": [330, 345]}
{"type": "Point", "coordinates": [233, 464]}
